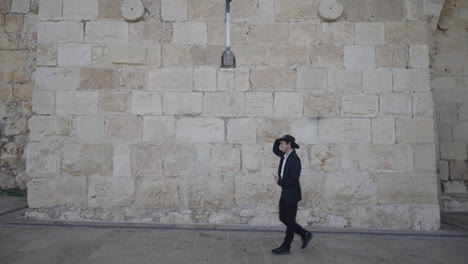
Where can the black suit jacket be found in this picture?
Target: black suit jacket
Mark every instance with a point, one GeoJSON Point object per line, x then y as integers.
{"type": "Point", "coordinates": [290, 186]}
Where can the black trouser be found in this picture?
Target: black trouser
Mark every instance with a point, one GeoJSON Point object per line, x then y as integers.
{"type": "Point", "coordinates": [287, 215]}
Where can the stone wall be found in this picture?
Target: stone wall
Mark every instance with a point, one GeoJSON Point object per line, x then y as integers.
{"type": "Point", "coordinates": [18, 27]}
{"type": "Point", "coordinates": [449, 71]}
{"type": "Point", "coordinates": [138, 122]}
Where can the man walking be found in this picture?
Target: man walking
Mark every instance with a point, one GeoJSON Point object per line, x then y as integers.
{"type": "Point", "coordinates": [289, 171]}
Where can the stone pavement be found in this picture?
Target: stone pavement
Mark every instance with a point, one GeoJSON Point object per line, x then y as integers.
{"type": "Point", "coordinates": [27, 241]}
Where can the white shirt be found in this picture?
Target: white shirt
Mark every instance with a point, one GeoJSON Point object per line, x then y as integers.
{"type": "Point", "coordinates": [284, 162]}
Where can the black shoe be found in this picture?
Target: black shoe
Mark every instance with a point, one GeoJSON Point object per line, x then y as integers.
{"type": "Point", "coordinates": [281, 251]}
{"type": "Point", "coordinates": [306, 239]}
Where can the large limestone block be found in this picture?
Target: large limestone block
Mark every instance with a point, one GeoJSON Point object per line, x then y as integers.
{"type": "Point", "coordinates": [305, 130]}
{"type": "Point", "coordinates": [251, 55]}
{"type": "Point", "coordinates": [80, 10]}
{"type": "Point", "coordinates": [43, 102]}
{"type": "Point", "coordinates": [225, 160]}
{"type": "Point", "coordinates": [135, 54]}
{"type": "Point", "coordinates": [288, 104]}
{"type": "Point", "coordinates": [14, 23]}
{"type": "Point", "coordinates": [110, 8]}
{"type": "Point", "coordinates": [455, 187]}
{"type": "Point", "coordinates": [90, 129]}
{"type": "Point", "coordinates": [407, 188]}
{"type": "Point", "coordinates": [327, 56]}
{"type": "Point", "coordinates": [215, 193]}
{"type": "Point", "coordinates": [350, 188]}
{"type": "Point", "coordinates": [204, 79]}
{"type": "Point", "coordinates": [106, 32]}
{"type": "Point", "coordinates": [242, 130]}
{"type": "Point", "coordinates": [182, 103]}
{"type": "Point", "coordinates": [45, 128]}
{"type": "Point", "coordinates": [302, 10]}
{"type": "Point", "coordinates": [287, 56]}
{"type": "Point", "coordinates": [423, 104]}
{"type": "Point", "coordinates": [12, 60]}
{"type": "Point", "coordinates": [47, 193]}
{"type": "Point", "coordinates": [424, 157]}
{"type": "Point", "coordinates": [244, 10]}
{"type": "Point", "coordinates": [419, 56]}
{"type": "Point", "coordinates": [385, 157]}
{"type": "Point", "coordinates": [121, 160]}
{"type": "Point", "coordinates": [15, 128]}
{"type": "Point", "coordinates": [392, 56]}
{"type": "Point", "coordinates": [260, 33]}
{"type": "Point", "coordinates": [233, 80]}
{"type": "Point", "coordinates": [146, 103]}
{"type": "Point", "coordinates": [176, 55]}
{"type": "Point", "coordinates": [203, 130]}
{"type": "Point", "coordinates": [223, 104]}
{"type": "Point", "coordinates": [349, 130]}
{"type": "Point", "coordinates": [46, 54]}
{"type": "Point", "coordinates": [156, 193]}
{"type": "Point", "coordinates": [377, 81]}
{"type": "Point", "coordinates": [60, 32]}
{"type": "Point", "coordinates": [457, 167]}
{"type": "Point", "coordinates": [383, 131]}
{"type": "Point", "coordinates": [272, 80]}
{"type": "Point", "coordinates": [97, 78]}
{"type": "Point", "coordinates": [146, 161]}
{"type": "Point", "coordinates": [269, 129]}
{"type": "Point", "coordinates": [453, 151]}
{"type": "Point", "coordinates": [151, 32]}
{"type": "Point", "coordinates": [359, 57]}
{"type": "Point", "coordinates": [74, 55]}
{"type": "Point", "coordinates": [189, 33]}
{"type": "Point", "coordinates": [322, 105]}
{"type": "Point", "coordinates": [305, 33]}
{"type": "Point", "coordinates": [369, 33]}
{"type": "Point", "coordinates": [56, 79]}
{"type": "Point", "coordinates": [171, 80]}
{"type": "Point", "coordinates": [108, 192]}
{"type": "Point", "coordinates": [113, 102]}
{"type": "Point", "coordinates": [76, 103]}
{"type": "Point", "coordinates": [132, 78]}
{"type": "Point", "coordinates": [344, 80]}
{"type": "Point", "coordinates": [355, 105]}
{"type": "Point", "coordinates": [206, 10]}
{"type": "Point", "coordinates": [412, 131]}
{"type": "Point", "coordinates": [178, 160]}
{"type": "Point", "coordinates": [42, 160]}
{"type": "Point", "coordinates": [395, 104]}
{"type": "Point", "coordinates": [205, 55]}
{"type": "Point", "coordinates": [322, 158]}
{"type": "Point", "coordinates": [460, 132]}
{"type": "Point", "coordinates": [406, 33]}
{"type": "Point", "coordinates": [50, 9]}
{"type": "Point", "coordinates": [173, 10]}
{"type": "Point", "coordinates": [203, 160]}
{"type": "Point", "coordinates": [337, 33]}
{"type": "Point", "coordinates": [159, 128]}
{"type": "Point", "coordinates": [9, 41]}
{"type": "Point", "coordinates": [258, 189]}
{"type": "Point", "coordinates": [311, 80]}
{"type": "Point", "coordinates": [259, 159]}
{"type": "Point", "coordinates": [123, 127]}
{"type": "Point", "coordinates": [258, 104]}
{"type": "Point", "coordinates": [411, 80]}
{"type": "Point", "coordinates": [86, 159]}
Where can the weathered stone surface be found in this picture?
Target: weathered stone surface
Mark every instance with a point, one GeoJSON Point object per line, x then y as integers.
{"type": "Point", "coordinates": [42, 160]}
{"type": "Point", "coordinates": [392, 56]}
{"type": "Point", "coordinates": [305, 130]}
{"type": "Point", "coordinates": [113, 102]}
{"type": "Point", "coordinates": [97, 78]}
{"type": "Point", "coordinates": [46, 54]}
{"type": "Point", "coordinates": [407, 188]}
{"type": "Point", "coordinates": [233, 80]}
{"type": "Point", "coordinates": [106, 32]}
{"type": "Point", "coordinates": [176, 55]}
{"type": "Point", "coordinates": [344, 80]}
{"type": "Point", "coordinates": [74, 55]}
{"type": "Point", "coordinates": [258, 104]}
{"type": "Point", "coordinates": [156, 193]}
{"type": "Point", "coordinates": [206, 10]}
{"type": "Point", "coordinates": [132, 79]}
{"type": "Point", "coordinates": [330, 10]}
{"type": "Point", "coordinates": [146, 161]}
{"type": "Point", "coordinates": [458, 169]}
{"type": "Point", "coordinates": [203, 130]}
{"type": "Point", "coordinates": [419, 56]}
{"type": "Point", "coordinates": [76, 103]}
{"type": "Point", "coordinates": [322, 105]}
{"type": "Point", "coordinates": [259, 158]}
{"type": "Point", "coordinates": [171, 80]}
{"type": "Point", "coordinates": [110, 8]}
{"type": "Point", "coordinates": [377, 81]}
{"type": "Point", "coordinates": [133, 54]}
{"type": "Point", "coordinates": [43, 102]}
{"type": "Point", "coordinates": [222, 104]}
{"type": "Point", "coordinates": [80, 10]}
{"type": "Point", "coordinates": [123, 127]}
{"type": "Point", "coordinates": [20, 6]}
{"type": "Point", "coordinates": [23, 92]}
{"type": "Point", "coordinates": [15, 128]}
{"type": "Point", "coordinates": [14, 22]}
{"type": "Point", "coordinates": [311, 80]}
{"type": "Point", "coordinates": [359, 57]}
{"type": "Point", "coordinates": [241, 131]}
{"type": "Point", "coordinates": [152, 32]}
{"type": "Point", "coordinates": [105, 192]}
{"type": "Point", "coordinates": [383, 131]}
{"type": "Point", "coordinates": [173, 10]}
{"type": "Point", "coordinates": [397, 157]}
{"type": "Point", "coordinates": [350, 130]}
{"type": "Point", "coordinates": [327, 56]}
{"type": "Point", "coordinates": [455, 187]}
{"type": "Point", "coordinates": [182, 103]}
{"type": "Point", "coordinates": [146, 103]}
{"type": "Point", "coordinates": [259, 187]}
{"type": "Point", "coordinates": [44, 128]}
{"type": "Point", "coordinates": [287, 56]}
{"type": "Point", "coordinates": [54, 79]}
{"type": "Point", "coordinates": [9, 41]}
{"type": "Point", "coordinates": [305, 33]}
{"type": "Point", "coordinates": [453, 151]}
{"type": "Point", "coordinates": [350, 188]}
{"type": "Point", "coordinates": [272, 80]}
{"type": "Point", "coordinates": [60, 32]}
{"type": "Point", "coordinates": [44, 193]}
{"type": "Point", "coordinates": [406, 33]}
{"type": "Point", "coordinates": [337, 33]}
{"type": "Point", "coordinates": [133, 10]}
{"type": "Point", "coordinates": [396, 104]}
{"type": "Point", "coordinates": [121, 160]}
{"type": "Point", "coordinates": [204, 79]}
{"type": "Point", "coordinates": [159, 128]}
{"type": "Point", "coordinates": [424, 157]}
{"type": "Point", "coordinates": [86, 159]}
{"type": "Point", "coordinates": [422, 104]}
{"type": "Point", "coordinates": [415, 131]}
{"type": "Point", "coordinates": [189, 33]}
{"type": "Point", "coordinates": [460, 131]}
{"type": "Point", "coordinates": [269, 129]}
{"type": "Point", "coordinates": [369, 33]}
{"type": "Point", "coordinates": [355, 105]}
{"type": "Point", "coordinates": [178, 160]}
{"type": "Point", "coordinates": [302, 10]}
{"type": "Point", "coordinates": [12, 60]}
{"type": "Point", "coordinates": [50, 9]}
{"type": "Point", "coordinates": [288, 104]}
{"type": "Point", "coordinates": [208, 192]}
{"type": "Point", "coordinates": [90, 129]}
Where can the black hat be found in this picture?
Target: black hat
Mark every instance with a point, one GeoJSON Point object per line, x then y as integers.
{"type": "Point", "coordinates": [290, 139]}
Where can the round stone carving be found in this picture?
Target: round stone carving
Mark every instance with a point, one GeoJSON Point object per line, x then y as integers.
{"type": "Point", "coordinates": [132, 10]}
{"type": "Point", "coordinates": [330, 10]}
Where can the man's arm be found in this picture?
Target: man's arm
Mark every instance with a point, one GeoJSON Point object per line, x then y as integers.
{"type": "Point", "coordinates": [276, 149]}
{"type": "Point", "coordinates": [293, 173]}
